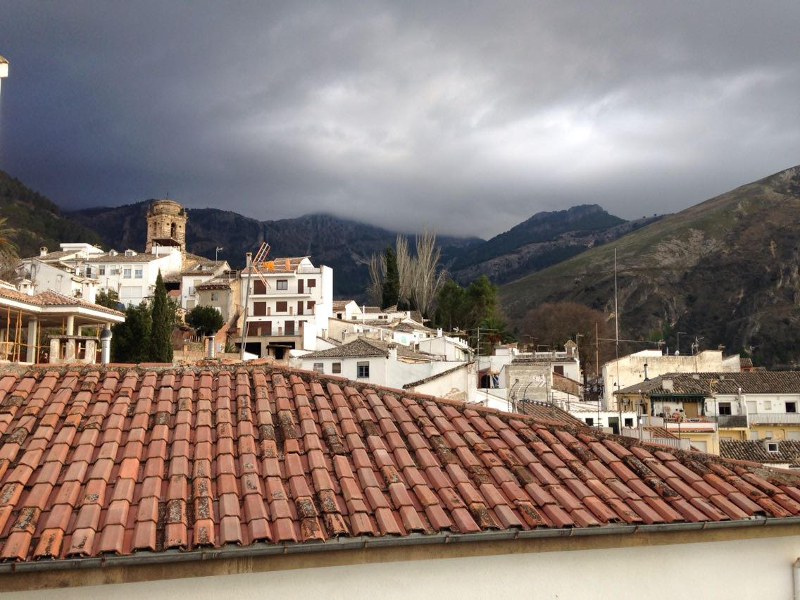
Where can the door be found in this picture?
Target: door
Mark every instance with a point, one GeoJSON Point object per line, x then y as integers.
{"type": "Point", "coordinates": [299, 307]}
{"type": "Point", "coordinates": [690, 410]}
{"type": "Point", "coordinates": [299, 286]}
{"type": "Point", "coordinates": [613, 422]}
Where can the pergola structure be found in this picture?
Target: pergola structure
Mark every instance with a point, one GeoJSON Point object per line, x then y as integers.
{"type": "Point", "coordinates": [73, 327]}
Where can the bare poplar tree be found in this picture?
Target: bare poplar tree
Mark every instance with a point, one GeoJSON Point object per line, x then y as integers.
{"type": "Point", "coordinates": [377, 271]}
{"type": "Point", "coordinates": [405, 268]}
{"type": "Point", "coordinates": [428, 278]}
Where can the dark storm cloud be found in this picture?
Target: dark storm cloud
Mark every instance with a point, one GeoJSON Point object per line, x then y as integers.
{"type": "Point", "coordinates": [466, 116]}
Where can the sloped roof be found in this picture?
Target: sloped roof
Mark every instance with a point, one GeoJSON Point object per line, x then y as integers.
{"type": "Point", "coordinates": [97, 462]}
{"type": "Point", "coordinates": [548, 412]}
{"type": "Point", "coordinates": [756, 450]}
{"type": "Point", "coordinates": [279, 264]}
{"type": "Point", "coordinates": [754, 382]}
{"type": "Point", "coordinates": [366, 347]}
{"type": "Point", "coordinates": [51, 298]}
{"type": "Point", "coordinates": [340, 304]}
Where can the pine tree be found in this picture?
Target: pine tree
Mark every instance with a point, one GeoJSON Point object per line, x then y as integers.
{"type": "Point", "coordinates": [391, 283]}
{"type": "Point", "coordinates": [160, 347]}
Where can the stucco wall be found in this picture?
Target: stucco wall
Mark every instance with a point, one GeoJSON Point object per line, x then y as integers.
{"type": "Point", "coordinates": [752, 568]}
{"type": "Point", "coordinates": [631, 369]}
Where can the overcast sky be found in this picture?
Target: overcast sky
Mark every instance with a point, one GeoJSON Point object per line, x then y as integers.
{"type": "Point", "coordinates": [468, 116]}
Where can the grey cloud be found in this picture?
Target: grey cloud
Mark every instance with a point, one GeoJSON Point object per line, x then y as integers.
{"type": "Point", "coordinates": [468, 117]}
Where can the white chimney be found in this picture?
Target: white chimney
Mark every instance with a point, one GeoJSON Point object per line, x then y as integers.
{"type": "Point", "coordinates": [43, 251]}
{"type": "Point", "coordinates": [439, 332]}
{"type": "Point", "coordinates": [393, 352]}
{"type": "Point", "coordinates": [105, 346]}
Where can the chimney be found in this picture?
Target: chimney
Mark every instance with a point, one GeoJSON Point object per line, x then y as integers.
{"type": "Point", "coordinates": [43, 251]}
{"type": "Point", "coordinates": [211, 346]}
{"type": "Point", "coordinates": [646, 378]}
{"type": "Point", "coordinates": [439, 332]}
{"type": "Point", "coordinates": [105, 346]}
{"type": "Point", "coordinates": [393, 352]}
{"type": "Point", "coordinates": [248, 259]}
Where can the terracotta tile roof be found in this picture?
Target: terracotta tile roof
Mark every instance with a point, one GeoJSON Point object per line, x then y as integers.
{"type": "Point", "coordinates": [115, 461]}
{"type": "Point", "coordinates": [141, 257]}
{"type": "Point", "coordinates": [548, 412]}
{"type": "Point", "coordinates": [754, 382]}
{"type": "Point", "coordinates": [365, 347]}
{"type": "Point", "coordinates": [756, 450]}
{"type": "Point", "coordinates": [51, 298]}
{"type": "Point", "coordinates": [746, 361]}
{"type": "Point", "coordinates": [340, 304]}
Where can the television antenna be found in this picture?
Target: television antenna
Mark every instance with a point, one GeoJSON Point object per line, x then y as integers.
{"type": "Point", "coordinates": [255, 265]}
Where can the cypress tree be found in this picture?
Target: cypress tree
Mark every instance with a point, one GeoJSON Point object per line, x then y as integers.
{"type": "Point", "coordinates": [160, 347]}
{"type": "Point", "coordinates": [391, 282]}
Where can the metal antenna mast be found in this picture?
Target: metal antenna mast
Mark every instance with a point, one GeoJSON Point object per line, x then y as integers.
{"type": "Point", "coordinates": [252, 265]}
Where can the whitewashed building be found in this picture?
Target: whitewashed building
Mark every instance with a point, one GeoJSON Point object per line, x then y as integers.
{"type": "Point", "coordinates": [288, 306]}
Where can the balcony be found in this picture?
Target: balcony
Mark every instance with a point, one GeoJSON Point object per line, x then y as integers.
{"type": "Point", "coordinates": [732, 421]}
{"type": "Point", "coordinates": [774, 418]}
{"type": "Point", "coordinates": [273, 293]}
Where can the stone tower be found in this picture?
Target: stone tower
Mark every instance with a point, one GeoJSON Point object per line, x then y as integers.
{"type": "Point", "coordinates": [166, 225]}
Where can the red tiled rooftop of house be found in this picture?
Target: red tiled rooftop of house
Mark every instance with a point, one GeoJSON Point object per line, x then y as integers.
{"type": "Point", "coordinates": [98, 462]}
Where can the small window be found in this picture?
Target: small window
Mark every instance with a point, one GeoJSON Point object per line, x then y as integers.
{"type": "Point", "coordinates": [768, 434]}
{"type": "Point", "coordinates": [337, 367]}
{"type": "Point", "coordinates": [590, 421]}
{"type": "Point", "coordinates": [138, 272]}
{"type": "Point", "coordinates": [791, 407]}
{"type": "Point", "coordinates": [725, 408]}
{"type": "Point", "coordinates": [363, 370]}
{"type": "Point", "coordinates": [102, 269]}
{"type": "Point", "coordinates": [767, 404]}
{"type": "Point", "coordinates": [281, 307]}
{"type": "Point", "coordinates": [214, 296]}
{"type": "Point", "coordinates": [629, 423]}
{"type": "Point", "coordinates": [282, 284]}
{"type": "Point", "coordinates": [126, 273]}
{"type": "Point", "coordinates": [772, 447]}
{"type": "Point", "coordinates": [310, 305]}
{"type": "Point", "coordinates": [559, 369]}
{"type": "Point", "coordinates": [311, 283]}
{"type": "Point", "coordinates": [319, 368]}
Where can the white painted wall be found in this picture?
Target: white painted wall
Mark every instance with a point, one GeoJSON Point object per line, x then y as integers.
{"type": "Point", "coordinates": [631, 369]}
{"type": "Point", "coordinates": [458, 385]}
{"type": "Point", "coordinates": [743, 569]}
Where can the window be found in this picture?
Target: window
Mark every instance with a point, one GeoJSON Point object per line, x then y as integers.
{"type": "Point", "coordinates": [337, 368]}
{"type": "Point", "coordinates": [138, 272]}
{"type": "Point", "coordinates": [102, 269]}
{"type": "Point", "coordinates": [725, 408]}
{"type": "Point", "coordinates": [362, 370]}
{"type": "Point", "coordinates": [767, 404]}
{"type": "Point", "coordinates": [629, 422]}
{"type": "Point", "coordinates": [259, 309]}
{"type": "Point", "coordinates": [280, 307]}
{"type": "Point", "coordinates": [559, 369]}
{"type": "Point", "coordinates": [259, 287]}
{"type": "Point", "coordinates": [289, 327]}
{"type": "Point", "coordinates": [768, 434]}
{"type": "Point", "coordinates": [590, 421]}
{"type": "Point", "coordinates": [319, 368]}
{"type": "Point", "coordinates": [214, 296]}
{"type": "Point", "coordinates": [126, 273]}
{"type": "Point", "coordinates": [311, 283]}
{"type": "Point", "coordinates": [310, 305]}
{"type": "Point", "coordinates": [772, 447]}
{"type": "Point", "coordinates": [791, 407]}
{"type": "Point", "coordinates": [282, 284]}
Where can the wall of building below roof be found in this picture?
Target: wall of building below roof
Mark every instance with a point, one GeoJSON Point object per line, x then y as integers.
{"type": "Point", "coordinates": [776, 432]}
{"type": "Point", "coordinates": [631, 369]}
{"type": "Point", "coordinates": [745, 568]}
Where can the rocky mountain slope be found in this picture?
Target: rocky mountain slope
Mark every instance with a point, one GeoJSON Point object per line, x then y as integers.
{"type": "Point", "coordinates": [36, 220]}
{"type": "Point", "coordinates": [543, 240]}
{"type": "Point", "coordinates": [725, 270]}
{"type": "Point", "coordinates": [339, 243]}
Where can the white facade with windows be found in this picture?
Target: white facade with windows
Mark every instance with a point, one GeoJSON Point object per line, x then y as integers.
{"type": "Point", "coordinates": [289, 304]}
{"type": "Point", "coordinates": [133, 275]}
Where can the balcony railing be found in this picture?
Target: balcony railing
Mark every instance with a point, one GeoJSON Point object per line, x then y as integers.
{"type": "Point", "coordinates": [730, 421]}
{"type": "Point", "coordinates": [774, 418]}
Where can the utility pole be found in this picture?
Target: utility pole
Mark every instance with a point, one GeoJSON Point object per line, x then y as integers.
{"type": "Point", "coordinates": [616, 340]}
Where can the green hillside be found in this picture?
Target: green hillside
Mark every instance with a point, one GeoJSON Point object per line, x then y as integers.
{"type": "Point", "coordinates": [725, 270]}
